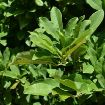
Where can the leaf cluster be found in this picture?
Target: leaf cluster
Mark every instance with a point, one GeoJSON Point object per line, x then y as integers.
{"type": "Point", "coordinates": [52, 52]}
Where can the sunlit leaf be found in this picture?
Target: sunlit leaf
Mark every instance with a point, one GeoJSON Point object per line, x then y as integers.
{"type": "Point", "coordinates": [71, 84]}
{"type": "Point", "coordinates": [39, 2]}
{"type": "Point", "coordinates": [96, 4]}
{"type": "Point", "coordinates": [42, 88]}
{"type": "Point", "coordinates": [87, 68]}
{"type": "Point", "coordinates": [56, 18]}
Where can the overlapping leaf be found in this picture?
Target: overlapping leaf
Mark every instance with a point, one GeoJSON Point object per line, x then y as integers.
{"type": "Point", "coordinates": [42, 88]}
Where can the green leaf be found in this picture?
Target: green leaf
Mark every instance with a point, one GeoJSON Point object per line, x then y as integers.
{"type": "Point", "coordinates": [71, 26]}
{"type": "Point", "coordinates": [91, 55]}
{"type": "Point", "coordinates": [14, 73]}
{"type": "Point", "coordinates": [96, 4]}
{"type": "Point", "coordinates": [24, 60]}
{"type": "Point", "coordinates": [54, 72]}
{"type": "Point", "coordinates": [87, 87]}
{"type": "Point", "coordinates": [7, 14]}
{"type": "Point", "coordinates": [49, 28]}
{"type": "Point", "coordinates": [3, 5]}
{"type": "Point", "coordinates": [37, 103]}
{"type": "Point", "coordinates": [71, 84]}
{"type": "Point", "coordinates": [33, 71]}
{"type": "Point", "coordinates": [79, 52]}
{"type": "Point", "coordinates": [2, 34]}
{"type": "Point", "coordinates": [39, 2]}
{"type": "Point", "coordinates": [42, 88]}
{"type": "Point", "coordinates": [101, 80]}
{"type": "Point", "coordinates": [32, 57]}
{"type": "Point", "coordinates": [83, 26]}
{"type": "Point", "coordinates": [102, 52]}
{"type": "Point", "coordinates": [15, 69]}
{"type": "Point", "coordinates": [82, 38]}
{"type": "Point", "coordinates": [96, 18]}
{"type": "Point", "coordinates": [37, 72]}
{"type": "Point", "coordinates": [95, 22]}
{"type": "Point", "coordinates": [98, 67]}
{"type": "Point", "coordinates": [42, 41]}
{"type": "Point", "coordinates": [87, 68]}
{"type": "Point", "coordinates": [56, 18]}
{"type": "Point", "coordinates": [7, 84]}
{"type": "Point", "coordinates": [15, 85]}
{"type": "Point", "coordinates": [78, 25]}
{"type": "Point", "coordinates": [6, 56]}
{"type": "Point", "coordinates": [62, 94]}
{"type": "Point", "coordinates": [3, 42]}
{"type": "Point", "coordinates": [77, 43]}
{"type": "Point", "coordinates": [10, 74]}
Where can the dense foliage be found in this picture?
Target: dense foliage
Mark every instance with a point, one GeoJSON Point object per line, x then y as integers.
{"type": "Point", "coordinates": [52, 52]}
